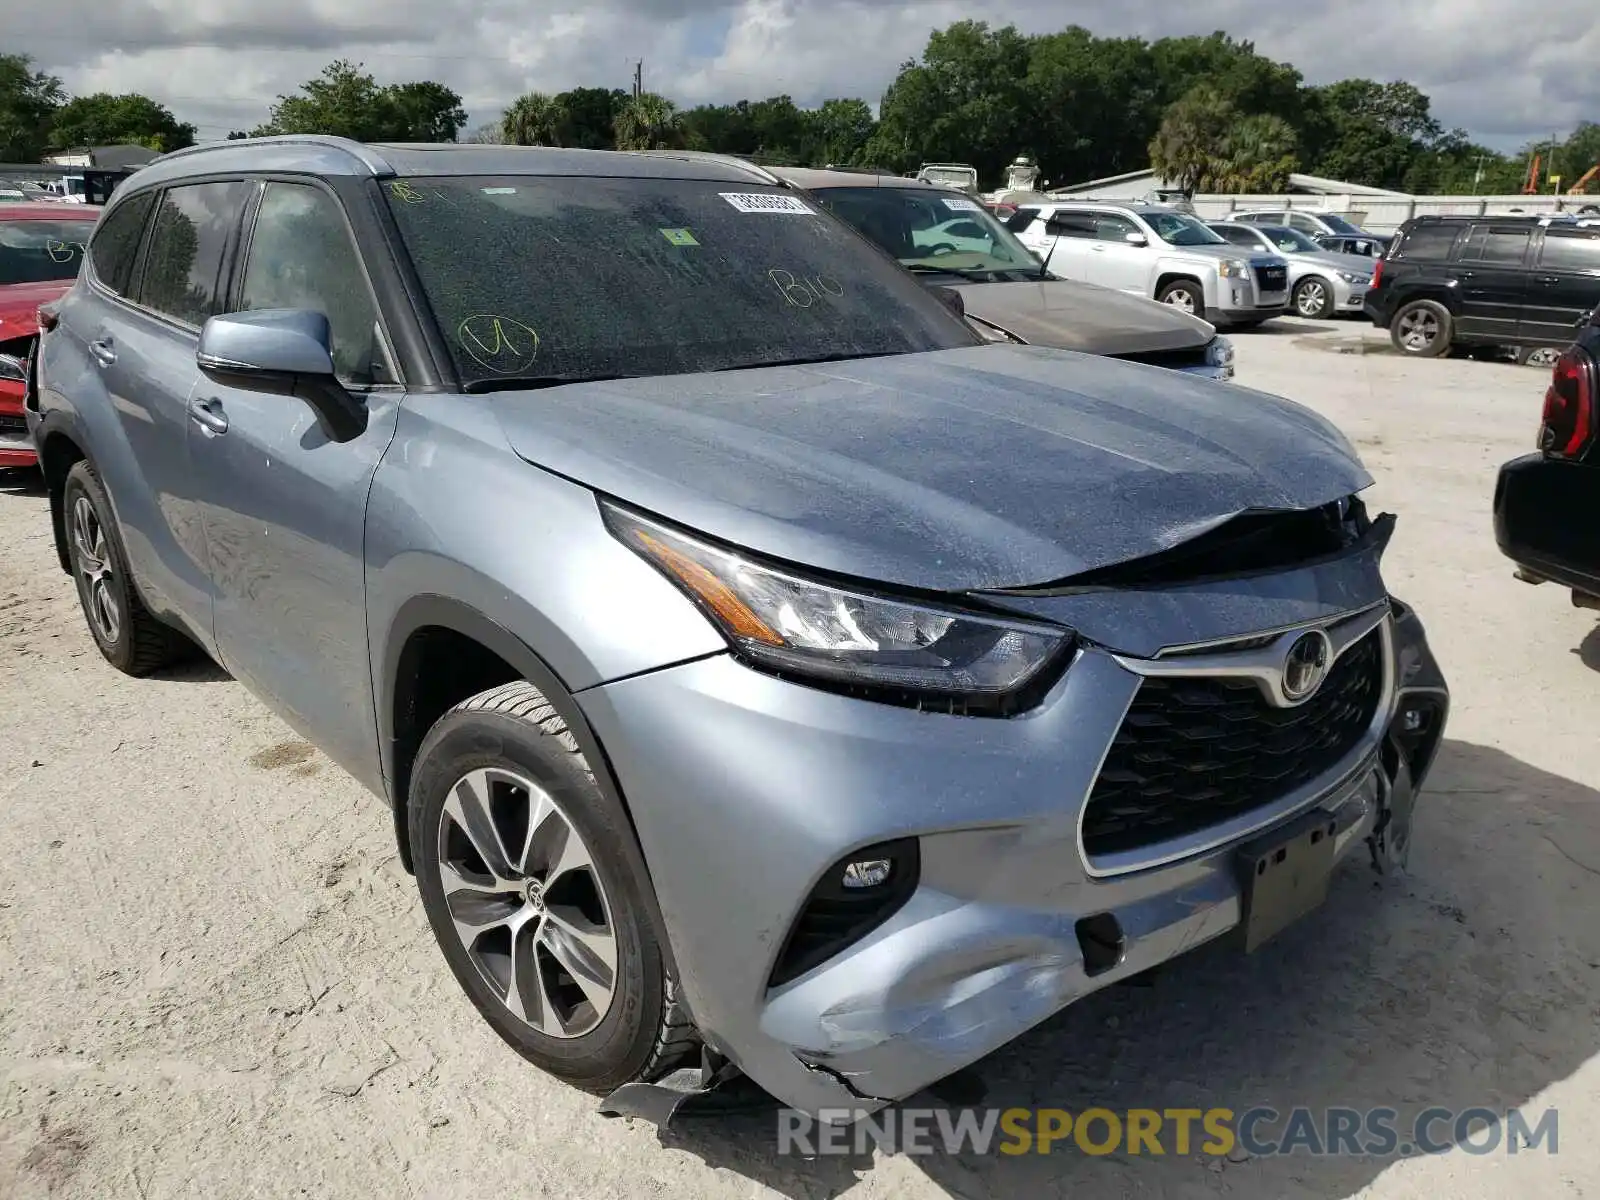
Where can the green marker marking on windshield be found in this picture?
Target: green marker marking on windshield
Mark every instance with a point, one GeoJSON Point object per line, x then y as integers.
{"type": "Point", "coordinates": [679, 237]}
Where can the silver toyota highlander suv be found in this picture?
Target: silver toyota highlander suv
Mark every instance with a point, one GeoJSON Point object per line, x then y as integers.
{"type": "Point", "coordinates": [765, 673]}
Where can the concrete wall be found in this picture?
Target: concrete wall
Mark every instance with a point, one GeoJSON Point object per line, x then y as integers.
{"type": "Point", "coordinates": [1383, 214]}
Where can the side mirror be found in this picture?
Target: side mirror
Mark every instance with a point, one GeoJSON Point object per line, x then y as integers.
{"type": "Point", "coordinates": [284, 351]}
{"type": "Point", "coordinates": [13, 370]}
{"type": "Point", "coordinates": [1136, 239]}
{"type": "Point", "coordinates": [951, 299]}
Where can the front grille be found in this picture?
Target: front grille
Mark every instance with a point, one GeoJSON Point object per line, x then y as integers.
{"type": "Point", "coordinates": [1272, 279]}
{"type": "Point", "coordinates": [1194, 751]}
{"type": "Point", "coordinates": [1189, 356]}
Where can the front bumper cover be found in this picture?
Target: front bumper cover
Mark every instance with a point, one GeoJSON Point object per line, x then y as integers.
{"type": "Point", "coordinates": [744, 788]}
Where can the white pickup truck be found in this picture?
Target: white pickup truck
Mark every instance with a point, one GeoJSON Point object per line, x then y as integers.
{"type": "Point", "coordinates": [1158, 252]}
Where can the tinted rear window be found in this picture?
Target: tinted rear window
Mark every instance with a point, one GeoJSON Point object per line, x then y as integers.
{"type": "Point", "coordinates": [116, 242]}
{"type": "Point", "coordinates": [559, 278]}
{"type": "Point", "coordinates": [1428, 243]}
{"type": "Point", "coordinates": [1565, 251]}
{"type": "Point", "coordinates": [42, 251]}
{"type": "Point", "coordinates": [1502, 246]}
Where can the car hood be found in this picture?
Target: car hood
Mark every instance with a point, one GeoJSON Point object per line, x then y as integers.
{"type": "Point", "coordinates": [19, 305]}
{"type": "Point", "coordinates": [984, 467]}
{"type": "Point", "coordinates": [1081, 316]}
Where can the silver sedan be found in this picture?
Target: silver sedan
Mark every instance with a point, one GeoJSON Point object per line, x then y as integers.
{"type": "Point", "coordinates": [1321, 282]}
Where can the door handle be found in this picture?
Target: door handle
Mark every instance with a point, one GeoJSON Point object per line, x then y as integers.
{"type": "Point", "coordinates": [103, 352]}
{"type": "Point", "coordinates": [1549, 279]}
{"type": "Point", "coordinates": [209, 416]}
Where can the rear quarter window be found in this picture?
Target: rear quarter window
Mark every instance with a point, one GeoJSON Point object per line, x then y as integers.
{"type": "Point", "coordinates": [116, 242]}
{"type": "Point", "coordinates": [1427, 243]}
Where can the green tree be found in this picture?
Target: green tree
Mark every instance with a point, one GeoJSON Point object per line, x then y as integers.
{"type": "Point", "coordinates": [425, 111]}
{"type": "Point", "coordinates": [1191, 146]}
{"type": "Point", "coordinates": [1370, 133]}
{"type": "Point", "coordinates": [966, 101]}
{"type": "Point", "coordinates": [649, 122]}
{"type": "Point", "coordinates": [1249, 81]}
{"type": "Point", "coordinates": [588, 117]}
{"type": "Point", "coordinates": [103, 119]}
{"type": "Point", "coordinates": [1095, 104]}
{"type": "Point", "coordinates": [1258, 155]}
{"type": "Point", "coordinates": [841, 130]}
{"type": "Point", "coordinates": [346, 101]}
{"type": "Point", "coordinates": [533, 120]}
{"type": "Point", "coordinates": [28, 99]}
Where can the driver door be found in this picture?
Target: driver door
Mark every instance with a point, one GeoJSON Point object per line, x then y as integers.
{"type": "Point", "coordinates": [285, 505]}
{"type": "Point", "coordinates": [1114, 262]}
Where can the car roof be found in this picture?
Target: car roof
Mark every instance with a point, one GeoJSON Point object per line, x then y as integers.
{"type": "Point", "coordinates": [316, 154]}
{"type": "Point", "coordinates": [815, 178]}
{"type": "Point", "coordinates": [45, 210]}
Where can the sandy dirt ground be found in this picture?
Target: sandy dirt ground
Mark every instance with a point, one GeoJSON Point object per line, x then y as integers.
{"type": "Point", "coordinates": [216, 980]}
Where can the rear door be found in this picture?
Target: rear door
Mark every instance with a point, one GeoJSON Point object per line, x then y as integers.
{"type": "Point", "coordinates": [1493, 276]}
{"type": "Point", "coordinates": [142, 344]}
{"type": "Point", "coordinates": [1565, 286]}
{"type": "Point", "coordinates": [1068, 237]}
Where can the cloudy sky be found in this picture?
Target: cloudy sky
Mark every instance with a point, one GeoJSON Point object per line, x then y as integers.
{"type": "Point", "coordinates": [1507, 70]}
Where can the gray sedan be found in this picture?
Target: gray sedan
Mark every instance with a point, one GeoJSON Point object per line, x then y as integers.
{"type": "Point", "coordinates": [1321, 282]}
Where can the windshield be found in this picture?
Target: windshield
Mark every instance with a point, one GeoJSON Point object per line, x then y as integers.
{"type": "Point", "coordinates": [1292, 240]}
{"type": "Point", "coordinates": [35, 251]}
{"type": "Point", "coordinates": [932, 230]}
{"type": "Point", "coordinates": [559, 279]}
{"type": "Point", "coordinates": [1179, 229]}
{"type": "Point", "coordinates": [1338, 224]}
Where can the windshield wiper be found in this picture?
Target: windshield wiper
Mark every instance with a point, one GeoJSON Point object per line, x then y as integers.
{"type": "Point", "coordinates": [806, 362]}
{"type": "Point", "coordinates": [532, 383]}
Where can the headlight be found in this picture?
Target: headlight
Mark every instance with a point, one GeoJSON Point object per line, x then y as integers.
{"type": "Point", "coordinates": [1352, 277]}
{"type": "Point", "coordinates": [1233, 268]}
{"type": "Point", "coordinates": [808, 628]}
{"type": "Point", "coordinates": [1220, 352]}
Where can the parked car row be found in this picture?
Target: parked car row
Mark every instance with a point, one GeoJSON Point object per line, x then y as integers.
{"type": "Point", "coordinates": [764, 670]}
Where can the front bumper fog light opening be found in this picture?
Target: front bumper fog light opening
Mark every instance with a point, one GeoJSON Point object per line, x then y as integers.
{"type": "Point", "coordinates": [855, 895]}
{"type": "Point", "coordinates": [1102, 943]}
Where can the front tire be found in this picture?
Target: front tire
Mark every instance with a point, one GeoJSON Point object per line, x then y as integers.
{"type": "Point", "coordinates": [532, 884]}
{"type": "Point", "coordinates": [1421, 329]}
{"type": "Point", "coordinates": [1184, 295]}
{"type": "Point", "coordinates": [126, 634]}
{"type": "Point", "coordinates": [1313, 297]}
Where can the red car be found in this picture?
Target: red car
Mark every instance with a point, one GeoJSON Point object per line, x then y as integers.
{"type": "Point", "coordinates": [41, 247]}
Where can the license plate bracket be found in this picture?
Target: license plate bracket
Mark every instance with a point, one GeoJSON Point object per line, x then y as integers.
{"type": "Point", "coordinates": [1283, 875]}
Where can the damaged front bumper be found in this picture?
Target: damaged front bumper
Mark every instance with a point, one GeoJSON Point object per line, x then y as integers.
{"type": "Point", "coordinates": [747, 790]}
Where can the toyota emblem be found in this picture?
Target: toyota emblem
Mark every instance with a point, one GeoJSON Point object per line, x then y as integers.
{"type": "Point", "coordinates": [1306, 665]}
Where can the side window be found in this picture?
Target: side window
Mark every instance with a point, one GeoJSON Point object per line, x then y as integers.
{"type": "Point", "coordinates": [1021, 219]}
{"type": "Point", "coordinates": [1428, 243]}
{"type": "Point", "coordinates": [301, 256]}
{"type": "Point", "coordinates": [1571, 251]}
{"type": "Point", "coordinates": [1239, 237]}
{"type": "Point", "coordinates": [1072, 224]}
{"type": "Point", "coordinates": [1497, 246]}
{"type": "Point", "coordinates": [115, 244]}
{"type": "Point", "coordinates": [1303, 223]}
{"type": "Point", "coordinates": [193, 226]}
{"type": "Point", "coordinates": [1110, 228]}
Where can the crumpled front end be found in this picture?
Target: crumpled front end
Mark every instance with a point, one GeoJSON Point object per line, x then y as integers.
{"type": "Point", "coordinates": [1024, 861]}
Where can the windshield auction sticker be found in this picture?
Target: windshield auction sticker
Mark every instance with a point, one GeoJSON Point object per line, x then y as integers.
{"type": "Point", "coordinates": [763, 202]}
{"type": "Point", "coordinates": [960, 205]}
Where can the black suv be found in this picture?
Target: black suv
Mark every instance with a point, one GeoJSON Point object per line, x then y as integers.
{"type": "Point", "coordinates": [1543, 501]}
{"type": "Point", "coordinates": [1488, 281]}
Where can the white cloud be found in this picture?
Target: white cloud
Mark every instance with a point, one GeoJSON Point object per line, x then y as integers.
{"type": "Point", "coordinates": [1504, 69]}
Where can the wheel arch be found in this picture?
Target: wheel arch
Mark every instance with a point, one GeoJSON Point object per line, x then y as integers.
{"type": "Point", "coordinates": [58, 453]}
{"type": "Point", "coordinates": [1167, 278]}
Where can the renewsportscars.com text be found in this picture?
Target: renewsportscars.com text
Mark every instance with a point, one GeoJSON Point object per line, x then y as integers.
{"type": "Point", "coordinates": [1257, 1132]}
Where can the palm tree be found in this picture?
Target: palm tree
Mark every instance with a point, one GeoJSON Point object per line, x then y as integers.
{"type": "Point", "coordinates": [649, 122]}
{"type": "Point", "coordinates": [533, 120]}
{"type": "Point", "coordinates": [1190, 143]}
{"type": "Point", "coordinates": [1258, 156]}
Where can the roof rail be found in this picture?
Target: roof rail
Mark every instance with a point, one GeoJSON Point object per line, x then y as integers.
{"type": "Point", "coordinates": [362, 153]}
{"type": "Point", "coordinates": [729, 160]}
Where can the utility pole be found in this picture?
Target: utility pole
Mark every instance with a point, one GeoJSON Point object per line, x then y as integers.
{"type": "Point", "coordinates": [638, 78]}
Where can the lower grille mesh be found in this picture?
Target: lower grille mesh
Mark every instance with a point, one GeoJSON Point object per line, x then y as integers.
{"type": "Point", "coordinates": [1193, 752]}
